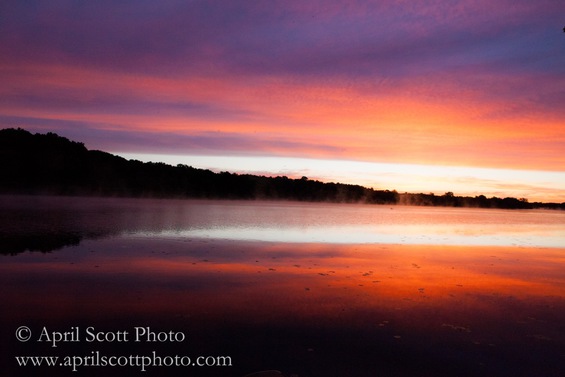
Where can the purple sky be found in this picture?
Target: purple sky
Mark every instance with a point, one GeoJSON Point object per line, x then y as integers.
{"type": "Point", "coordinates": [436, 83]}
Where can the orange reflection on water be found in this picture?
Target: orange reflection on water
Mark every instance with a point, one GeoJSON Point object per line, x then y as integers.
{"type": "Point", "coordinates": [278, 280]}
{"type": "Point", "coordinates": [316, 302]}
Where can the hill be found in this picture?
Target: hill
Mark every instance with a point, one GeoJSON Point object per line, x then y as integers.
{"type": "Point", "coordinates": [53, 165]}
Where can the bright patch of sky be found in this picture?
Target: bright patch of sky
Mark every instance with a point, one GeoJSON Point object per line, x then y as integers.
{"type": "Point", "coordinates": [385, 176]}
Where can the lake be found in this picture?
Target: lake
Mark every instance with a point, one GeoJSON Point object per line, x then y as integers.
{"type": "Point", "coordinates": [309, 289]}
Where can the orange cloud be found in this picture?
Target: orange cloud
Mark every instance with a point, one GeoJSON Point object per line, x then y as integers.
{"type": "Point", "coordinates": [426, 121]}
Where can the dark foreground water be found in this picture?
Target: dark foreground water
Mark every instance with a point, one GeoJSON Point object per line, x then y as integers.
{"type": "Point", "coordinates": [306, 289]}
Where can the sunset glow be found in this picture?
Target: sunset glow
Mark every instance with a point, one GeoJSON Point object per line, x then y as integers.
{"type": "Point", "coordinates": [360, 277]}
{"type": "Point", "coordinates": [460, 96]}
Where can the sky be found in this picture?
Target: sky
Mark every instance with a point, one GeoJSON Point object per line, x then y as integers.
{"type": "Point", "coordinates": [413, 96]}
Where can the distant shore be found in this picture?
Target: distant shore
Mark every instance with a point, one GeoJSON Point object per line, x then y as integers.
{"type": "Point", "coordinates": [48, 164]}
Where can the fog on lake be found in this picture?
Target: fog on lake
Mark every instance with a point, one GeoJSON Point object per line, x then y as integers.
{"type": "Point", "coordinates": [291, 222]}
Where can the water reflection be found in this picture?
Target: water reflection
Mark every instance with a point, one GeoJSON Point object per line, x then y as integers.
{"type": "Point", "coordinates": [317, 306]}
{"type": "Point", "coordinates": [370, 304]}
{"type": "Point", "coordinates": [424, 234]}
{"type": "Point", "coordinates": [48, 223]}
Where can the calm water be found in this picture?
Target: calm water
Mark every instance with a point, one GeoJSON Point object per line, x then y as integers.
{"type": "Point", "coordinates": [307, 289]}
{"type": "Point", "coordinates": [285, 222]}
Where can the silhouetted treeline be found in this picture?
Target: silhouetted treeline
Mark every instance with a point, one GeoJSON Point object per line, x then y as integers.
{"type": "Point", "coordinates": [45, 243]}
{"type": "Point", "coordinates": [51, 164]}
{"type": "Point", "coordinates": [480, 201]}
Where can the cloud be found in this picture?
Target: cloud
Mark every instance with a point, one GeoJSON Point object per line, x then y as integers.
{"type": "Point", "coordinates": [282, 38]}
{"type": "Point", "coordinates": [465, 83]}
{"type": "Point", "coordinates": [416, 121]}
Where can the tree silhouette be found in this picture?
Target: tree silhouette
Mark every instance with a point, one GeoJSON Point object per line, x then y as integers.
{"type": "Point", "coordinates": [51, 164]}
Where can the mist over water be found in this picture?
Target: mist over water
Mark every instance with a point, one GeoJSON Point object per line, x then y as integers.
{"type": "Point", "coordinates": [308, 289]}
{"type": "Point", "coordinates": [27, 218]}
{"type": "Point", "coordinates": [359, 224]}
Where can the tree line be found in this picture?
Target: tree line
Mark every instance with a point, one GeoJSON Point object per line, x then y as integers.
{"type": "Point", "coordinates": [53, 165]}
